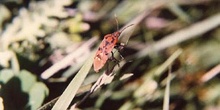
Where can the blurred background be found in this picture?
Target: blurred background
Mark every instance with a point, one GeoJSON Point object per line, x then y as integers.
{"type": "Point", "coordinates": [43, 44]}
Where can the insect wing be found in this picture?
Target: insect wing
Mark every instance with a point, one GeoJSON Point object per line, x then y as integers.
{"type": "Point", "coordinates": [104, 49]}
{"type": "Point", "coordinates": [109, 42]}
{"type": "Point", "coordinates": [100, 58]}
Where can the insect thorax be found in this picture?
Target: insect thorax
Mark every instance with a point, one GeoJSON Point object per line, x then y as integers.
{"type": "Point", "coordinates": [116, 34]}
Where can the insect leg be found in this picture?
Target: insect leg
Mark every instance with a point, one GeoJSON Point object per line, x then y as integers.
{"type": "Point", "coordinates": [120, 54]}
{"type": "Point", "coordinates": [108, 68]}
{"type": "Point", "coordinates": [119, 47]}
{"type": "Point", "coordinates": [114, 59]}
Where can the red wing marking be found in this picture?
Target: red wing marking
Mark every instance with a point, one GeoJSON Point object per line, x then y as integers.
{"type": "Point", "coordinates": [104, 49]}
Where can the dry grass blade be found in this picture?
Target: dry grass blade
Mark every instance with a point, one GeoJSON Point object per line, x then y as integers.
{"type": "Point", "coordinates": [71, 90]}
{"type": "Point", "coordinates": [185, 34]}
{"type": "Point", "coordinates": [167, 91]}
{"type": "Point", "coordinates": [210, 74]}
{"type": "Point", "coordinates": [168, 62]}
{"type": "Point", "coordinates": [67, 60]}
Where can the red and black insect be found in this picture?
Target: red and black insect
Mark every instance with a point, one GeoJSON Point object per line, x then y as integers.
{"type": "Point", "coordinates": [105, 48]}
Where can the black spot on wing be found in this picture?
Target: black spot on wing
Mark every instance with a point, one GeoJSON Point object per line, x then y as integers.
{"type": "Point", "coordinates": [100, 49]}
{"type": "Point", "coordinates": [113, 39]}
{"type": "Point", "coordinates": [106, 53]}
{"type": "Point", "coordinates": [107, 43]}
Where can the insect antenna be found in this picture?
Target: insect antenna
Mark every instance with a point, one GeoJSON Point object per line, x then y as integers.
{"type": "Point", "coordinates": [116, 20]}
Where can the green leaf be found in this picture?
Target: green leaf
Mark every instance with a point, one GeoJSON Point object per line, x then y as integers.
{"type": "Point", "coordinates": [6, 75]}
{"type": "Point", "coordinates": [37, 95]}
{"type": "Point", "coordinates": [27, 80]}
{"type": "Point", "coordinates": [21, 91]}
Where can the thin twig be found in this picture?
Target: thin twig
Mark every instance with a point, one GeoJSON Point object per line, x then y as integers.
{"type": "Point", "coordinates": [210, 74]}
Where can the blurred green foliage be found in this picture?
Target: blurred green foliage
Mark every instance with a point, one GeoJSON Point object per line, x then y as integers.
{"type": "Point", "coordinates": [21, 91]}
